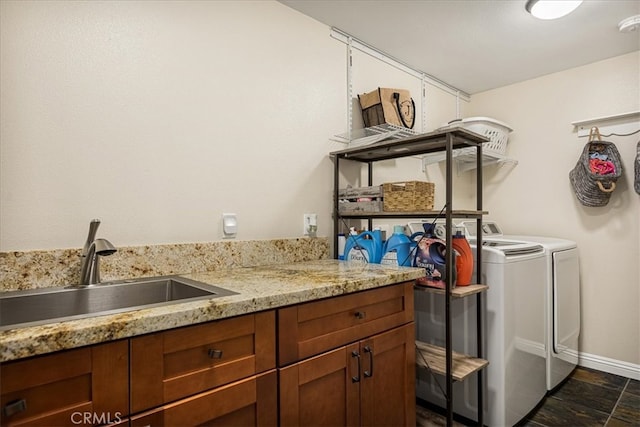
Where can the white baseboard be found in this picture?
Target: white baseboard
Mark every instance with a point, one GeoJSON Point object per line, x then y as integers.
{"type": "Point", "coordinates": [612, 366]}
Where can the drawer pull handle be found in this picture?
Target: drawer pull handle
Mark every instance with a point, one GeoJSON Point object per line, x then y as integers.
{"type": "Point", "coordinates": [360, 314]}
{"type": "Point", "coordinates": [357, 377]}
{"type": "Point", "coordinates": [369, 350]}
{"type": "Point", "coordinates": [214, 354]}
{"type": "Point", "coordinates": [15, 407]}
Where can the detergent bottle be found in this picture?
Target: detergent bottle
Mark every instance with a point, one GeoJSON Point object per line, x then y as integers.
{"type": "Point", "coordinates": [415, 238]}
{"type": "Point", "coordinates": [377, 237]}
{"type": "Point", "coordinates": [342, 241]}
{"type": "Point", "coordinates": [365, 248]}
{"type": "Point", "coordinates": [430, 255]}
{"type": "Point", "coordinates": [464, 259]}
{"type": "Point", "coordinates": [397, 249]}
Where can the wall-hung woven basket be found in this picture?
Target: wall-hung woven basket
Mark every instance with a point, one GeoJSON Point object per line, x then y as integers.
{"type": "Point", "coordinates": [636, 183]}
{"type": "Point", "coordinates": [593, 189]}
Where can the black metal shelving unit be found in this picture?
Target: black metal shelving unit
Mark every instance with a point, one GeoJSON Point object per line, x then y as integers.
{"type": "Point", "coordinates": [432, 142]}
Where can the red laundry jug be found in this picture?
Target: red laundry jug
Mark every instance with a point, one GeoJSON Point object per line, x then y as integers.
{"type": "Point", "coordinates": [464, 259]}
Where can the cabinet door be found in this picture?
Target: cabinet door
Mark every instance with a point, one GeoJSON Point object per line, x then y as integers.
{"type": "Point", "coordinates": [87, 386]}
{"type": "Point", "coordinates": [312, 328]}
{"type": "Point", "coordinates": [388, 378]}
{"type": "Point", "coordinates": [171, 365]}
{"type": "Point", "coordinates": [323, 390]}
{"type": "Point", "coordinates": [245, 403]}
{"type": "Point", "coordinates": [368, 383]}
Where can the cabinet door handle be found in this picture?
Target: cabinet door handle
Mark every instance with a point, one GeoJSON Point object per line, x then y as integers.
{"type": "Point", "coordinates": [14, 407]}
{"type": "Point", "coordinates": [356, 379]}
{"type": "Point", "coordinates": [369, 350]}
{"type": "Point", "coordinates": [360, 314]}
{"type": "Point", "coordinates": [214, 354]}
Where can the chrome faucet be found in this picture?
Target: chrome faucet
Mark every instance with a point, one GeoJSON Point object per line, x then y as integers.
{"type": "Point", "coordinates": [91, 252]}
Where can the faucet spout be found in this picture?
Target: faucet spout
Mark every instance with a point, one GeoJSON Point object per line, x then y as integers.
{"type": "Point", "coordinates": [91, 253]}
{"type": "Point", "coordinates": [93, 229]}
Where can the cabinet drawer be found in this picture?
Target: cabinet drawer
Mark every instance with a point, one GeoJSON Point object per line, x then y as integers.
{"type": "Point", "coordinates": [83, 386]}
{"type": "Point", "coordinates": [249, 402]}
{"type": "Point", "coordinates": [309, 329]}
{"type": "Point", "coordinates": [171, 365]}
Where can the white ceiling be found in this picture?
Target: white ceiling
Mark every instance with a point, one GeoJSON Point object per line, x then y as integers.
{"type": "Point", "coordinates": [477, 45]}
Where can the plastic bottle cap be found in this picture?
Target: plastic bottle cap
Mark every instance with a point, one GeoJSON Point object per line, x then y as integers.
{"type": "Point", "coordinates": [398, 229]}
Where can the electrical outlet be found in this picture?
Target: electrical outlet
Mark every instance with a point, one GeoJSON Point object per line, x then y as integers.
{"type": "Point", "coordinates": [310, 224]}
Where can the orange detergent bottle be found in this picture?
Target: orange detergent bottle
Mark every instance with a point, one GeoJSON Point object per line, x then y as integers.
{"type": "Point", "coordinates": [464, 259]}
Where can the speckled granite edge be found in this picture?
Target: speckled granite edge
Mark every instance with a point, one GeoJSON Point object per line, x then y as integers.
{"type": "Point", "coordinates": [258, 288]}
{"type": "Point", "coordinates": [61, 267]}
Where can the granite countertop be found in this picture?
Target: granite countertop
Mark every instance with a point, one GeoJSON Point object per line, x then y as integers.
{"type": "Point", "coordinates": [258, 288]}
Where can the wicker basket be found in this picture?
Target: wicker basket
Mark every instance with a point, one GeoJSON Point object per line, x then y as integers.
{"type": "Point", "coordinates": [409, 196]}
{"type": "Point", "coordinates": [636, 182]}
{"type": "Point", "coordinates": [496, 131]}
{"type": "Point", "coordinates": [592, 189]}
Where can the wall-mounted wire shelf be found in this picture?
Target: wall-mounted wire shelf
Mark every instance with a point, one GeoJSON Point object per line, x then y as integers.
{"type": "Point", "coordinates": [465, 159]}
{"type": "Point", "coordinates": [373, 134]}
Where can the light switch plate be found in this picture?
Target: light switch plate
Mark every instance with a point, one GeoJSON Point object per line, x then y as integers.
{"type": "Point", "coordinates": [229, 224]}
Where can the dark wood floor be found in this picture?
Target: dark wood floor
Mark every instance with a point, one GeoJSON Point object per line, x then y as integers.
{"type": "Point", "coordinates": [587, 398]}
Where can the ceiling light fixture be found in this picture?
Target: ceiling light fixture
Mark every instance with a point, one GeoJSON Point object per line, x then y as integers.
{"type": "Point", "coordinates": [551, 9]}
{"type": "Point", "coordinates": [630, 24]}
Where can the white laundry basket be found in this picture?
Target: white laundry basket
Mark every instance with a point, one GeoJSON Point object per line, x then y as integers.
{"type": "Point", "coordinates": [496, 131]}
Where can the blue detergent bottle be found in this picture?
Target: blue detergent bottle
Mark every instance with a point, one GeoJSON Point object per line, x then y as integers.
{"type": "Point", "coordinates": [397, 249]}
{"type": "Point", "coordinates": [379, 242]}
{"type": "Point", "coordinates": [365, 247]}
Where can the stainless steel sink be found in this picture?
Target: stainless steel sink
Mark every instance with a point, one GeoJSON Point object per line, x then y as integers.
{"type": "Point", "coordinates": [41, 306]}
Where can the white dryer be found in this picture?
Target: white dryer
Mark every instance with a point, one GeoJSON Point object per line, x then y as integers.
{"type": "Point", "coordinates": [514, 334]}
{"type": "Point", "coordinates": [563, 307]}
{"type": "Point", "coordinates": [562, 298]}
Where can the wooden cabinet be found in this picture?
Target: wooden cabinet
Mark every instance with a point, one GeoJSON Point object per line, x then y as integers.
{"type": "Point", "coordinates": [388, 378]}
{"type": "Point", "coordinates": [322, 390]}
{"type": "Point", "coordinates": [309, 329]}
{"type": "Point", "coordinates": [248, 402]}
{"type": "Point", "coordinates": [215, 373]}
{"type": "Point", "coordinates": [347, 360]}
{"type": "Point", "coordinates": [87, 386]}
{"type": "Point", "coordinates": [362, 365]}
{"type": "Point", "coordinates": [170, 365]}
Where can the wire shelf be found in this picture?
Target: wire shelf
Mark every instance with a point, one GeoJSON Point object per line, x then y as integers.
{"type": "Point", "coordinates": [373, 134]}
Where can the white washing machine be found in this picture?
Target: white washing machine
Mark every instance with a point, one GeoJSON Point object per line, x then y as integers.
{"type": "Point", "coordinates": [514, 334]}
{"type": "Point", "coordinates": [562, 298]}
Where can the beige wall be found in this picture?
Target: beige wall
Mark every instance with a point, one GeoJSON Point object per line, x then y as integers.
{"type": "Point", "coordinates": [157, 117]}
{"type": "Point", "coordinates": [536, 197]}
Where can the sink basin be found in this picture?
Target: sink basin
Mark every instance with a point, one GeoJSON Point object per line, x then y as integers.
{"type": "Point", "coordinates": [41, 306]}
